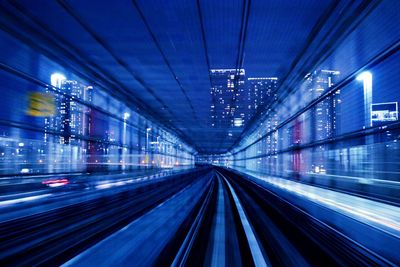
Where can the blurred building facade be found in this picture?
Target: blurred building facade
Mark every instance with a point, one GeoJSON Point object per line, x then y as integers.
{"type": "Point", "coordinates": [228, 97]}
{"type": "Point", "coordinates": [71, 118]}
{"type": "Point", "coordinates": [235, 98]}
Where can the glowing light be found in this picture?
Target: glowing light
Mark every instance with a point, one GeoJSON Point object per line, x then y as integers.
{"type": "Point", "coordinates": [56, 79]}
{"type": "Point", "coordinates": [340, 204]}
{"type": "Point", "coordinates": [103, 186]}
{"type": "Point", "coordinates": [21, 144]}
{"type": "Point", "coordinates": [364, 76]}
{"type": "Point", "coordinates": [238, 122]}
{"type": "Point", "coordinates": [25, 170]}
{"type": "Point", "coordinates": [56, 182]}
{"type": "Point", "coordinates": [24, 199]}
{"type": "Point", "coordinates": [126, 115]}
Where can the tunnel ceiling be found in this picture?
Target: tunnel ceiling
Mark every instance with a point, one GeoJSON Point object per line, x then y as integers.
{"type": "Point", "coordinates": [160, 52]}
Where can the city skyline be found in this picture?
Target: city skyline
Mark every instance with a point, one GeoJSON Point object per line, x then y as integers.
{"type": "Point", "coordinates": [70, 117]}
{"type": "Point", "coordinates": [236, 98]}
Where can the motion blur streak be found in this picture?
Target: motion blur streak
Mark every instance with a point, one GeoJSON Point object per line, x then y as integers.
{"type": "Point", "coordinates": [199, 133]}
{"type": "Point", "coordinates": [23, 199]}
{"type": "Point", "coordinates": [366, 210]}
{"type": "Point", "coordinates": [258, 257]}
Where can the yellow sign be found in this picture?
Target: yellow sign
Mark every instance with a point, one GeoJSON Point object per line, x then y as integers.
{"type": "Point", "coordinates": [41, 105]}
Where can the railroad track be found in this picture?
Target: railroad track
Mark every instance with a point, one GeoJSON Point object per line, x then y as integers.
{"type": "Point", "coordinates": [246, 225]}
{"type": "Point", "coordinates": [213, 219]}
{"type": "Point", "coordinates": [53, 237]}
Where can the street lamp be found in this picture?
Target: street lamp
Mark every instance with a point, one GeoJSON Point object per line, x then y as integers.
{"type": "Point", "coordinates": [126, 116]}
{"type": "Point", "coordinates": [158, 160]}
{"type": "Point", "coordinates": [56, 79]}
{"type": "Point", "coordinates": [147, 138]}
{"type": "Point", "coordinates": [366, 78]}
{"type": "Point", "coordinates": [147, 144]}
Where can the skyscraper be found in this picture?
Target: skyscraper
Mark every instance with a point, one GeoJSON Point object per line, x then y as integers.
{"type": "Point", "coordinates": [326, 112]}
{"type": "Point", "coordinates": [260, 90]}
{"type": "Point", "coordinates": [229, 102]}
{"type": "Point", "coordinates": [324, 115]}
{"type": "Point", "coordinates": [70, 118]}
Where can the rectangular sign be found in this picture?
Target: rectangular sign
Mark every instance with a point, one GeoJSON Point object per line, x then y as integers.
{"type": "Point", "coordinates": [41, 104]}
{"type": "Point", "coordinates": [383, 112]}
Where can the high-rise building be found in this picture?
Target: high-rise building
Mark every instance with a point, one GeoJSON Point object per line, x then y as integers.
{"type": "Point", "coordinates": [326, 112]}
{"type": "Point", "coordinates": [235, 99]}
{"type": "Point", "coordinates": [324, 115]}
{"type": "Point", "coordinates": [71, 117]}
{"type": "Point", "coordinates": [260, 90]}
{"type": "Point", "coordinates": [229, 101]}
